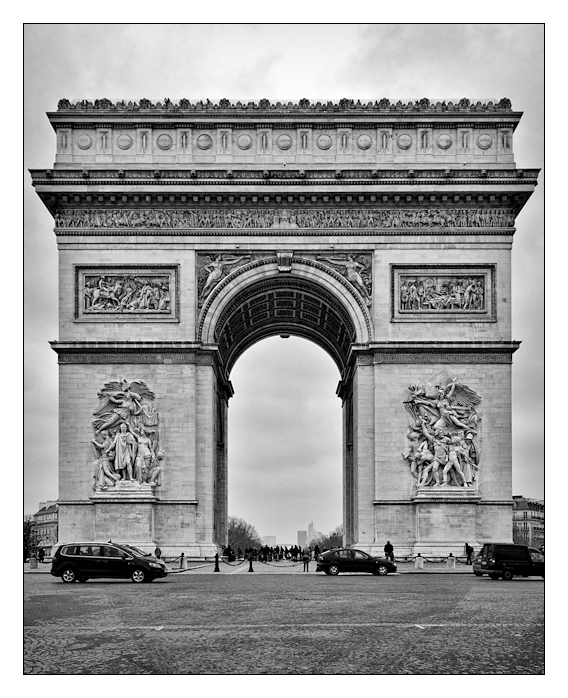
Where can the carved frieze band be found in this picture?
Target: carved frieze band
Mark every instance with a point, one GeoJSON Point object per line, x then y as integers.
{"type": "Point", "coordinates": [265, 218]}
{"type": "Point", "coordinates": [449, 293]}
{"type": "Point", "coordinates": [129, 293]}
{"type": "Point", "coordinates": [423, 358]}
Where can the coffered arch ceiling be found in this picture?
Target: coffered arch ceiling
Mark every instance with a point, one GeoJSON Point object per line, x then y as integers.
{"type": "Point", "coordinates": [280, 305]}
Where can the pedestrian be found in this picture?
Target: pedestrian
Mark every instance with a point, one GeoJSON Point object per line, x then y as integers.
{"type": "Point", "coordinates": [469, 553]}
{"type": "Point", "coordinates": [306, 559]}
{"type": "Point", "coordinates": [157, 553]}
{"type": "Point", "coordinates": [40, 554]}
{"type": "Point", "coordinates": [389, 551]}
{"type": "Point", "coordinates": [316, 552]}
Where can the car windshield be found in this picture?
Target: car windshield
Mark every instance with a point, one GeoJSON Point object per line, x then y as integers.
{"type": "Point", "coordinates": [134, 551]}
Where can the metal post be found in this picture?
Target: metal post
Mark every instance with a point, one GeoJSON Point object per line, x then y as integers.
{"type": "Point", "coordinates": [216, 563]}
{"type": "Point", "coordinates": [250, 564]}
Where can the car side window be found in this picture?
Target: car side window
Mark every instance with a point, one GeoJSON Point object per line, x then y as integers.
{"type": "Point", "coordinates": [345, 553]}
{"type": "Point", "coordinates": [536, 556]}
{"type": "Point", "coordinates": [109, 551]}
{"type": "Point", "coordinates": [358, 555]}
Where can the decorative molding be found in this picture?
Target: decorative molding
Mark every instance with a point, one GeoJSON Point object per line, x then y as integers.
{"type": "Point", "coordinates": [111, 293]}
{"type": "Point", "coordinates": [264, 218]}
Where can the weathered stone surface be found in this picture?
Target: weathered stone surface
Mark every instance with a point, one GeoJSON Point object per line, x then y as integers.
{"type": "Point", "coordinates": [201, 228]}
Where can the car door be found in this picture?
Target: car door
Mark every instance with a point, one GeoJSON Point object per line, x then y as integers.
{"type": "Point", "coordinates": [537, 562]}
{"type": "Point", "coordinates": [361, 562]}
{"type": "Point", "coordinates": [113, 563]}
{"type": "Point", "coordinates": [344, 560]}
{"type": "Point", "coordinates": [89, 560]}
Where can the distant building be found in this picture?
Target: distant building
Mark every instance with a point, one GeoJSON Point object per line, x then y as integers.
{"type": "Point", "coordinates": [46, 520]}
{"type": "Point", "coordinates": [312, 533]}
{"type": "Point", "coordinates": [528, 521]}
{"type": "Point", "coordinates": [269, 540]}
{"type": "Point", "coordinates": [302, 538]}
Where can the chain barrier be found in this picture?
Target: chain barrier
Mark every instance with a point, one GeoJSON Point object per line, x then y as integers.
{"type": "Point", "coordinates": [294, 564]}
{"type": "Point", "coordinates": [233, 564]}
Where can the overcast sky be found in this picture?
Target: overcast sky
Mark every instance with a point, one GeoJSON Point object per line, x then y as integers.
{"type": "Point", "coordinates": [285, 420]}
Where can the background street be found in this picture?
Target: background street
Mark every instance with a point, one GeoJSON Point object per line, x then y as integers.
{"type": "Point", "coordinates": [285, 622]}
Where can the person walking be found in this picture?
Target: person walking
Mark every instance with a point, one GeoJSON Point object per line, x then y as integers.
{"type": "Point", "coordinates": [389, 551]}
{"type": "Point", "coordinates": [469, 553]}
{"type": "Point", "coordinates": [157, 553]}
{"type": "Point", "coordinates": [306, 559]}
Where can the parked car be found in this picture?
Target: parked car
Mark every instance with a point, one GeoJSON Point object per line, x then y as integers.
{"type": "Point", "coordinates": [349, 560]}
{"type": "Point", "coordinates": [507, 560]}
{"type": "Point", "coordinates": [477, 570]}
{"type": "Point", "coordinates": [82, 561]}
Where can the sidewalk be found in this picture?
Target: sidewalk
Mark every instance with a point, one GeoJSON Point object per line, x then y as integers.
{"type": "Point", "coordinates": [283, 567]}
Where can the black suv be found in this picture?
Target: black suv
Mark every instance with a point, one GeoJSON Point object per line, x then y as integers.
{"type": "Point", "coordinates": [507, 560]}
{"type": "Point", "coordinates": [349, 560]}
{"type": "Point", "coordinates": [81, 561]}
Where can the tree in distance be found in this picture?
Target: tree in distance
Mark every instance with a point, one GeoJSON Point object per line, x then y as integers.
{"type": "Point", "coordinates": [333, 540]}
{"type": "Point", "coordinates": [242, 535]}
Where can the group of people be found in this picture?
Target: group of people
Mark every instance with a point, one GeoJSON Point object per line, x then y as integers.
{"type": "Point", "coordinates": [456, 293]}
{"type": "Point", "coordinates": [274, 554]}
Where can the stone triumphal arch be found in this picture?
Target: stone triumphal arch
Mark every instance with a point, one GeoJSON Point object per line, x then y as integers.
{"type": "Point", "coordinates": [381, 231]}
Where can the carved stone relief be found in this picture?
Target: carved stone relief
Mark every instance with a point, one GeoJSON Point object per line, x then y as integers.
{"type": "Point", "coordinates": [442, 441]}
{"type": "Point", "coordinates": [442, 293]}
{"type": "Point", "coordinates": [298, 218]}
{"type": "Point", "coordinates": [357, 269]}
{"type": "Point", "coordinates": [212, 268]}
{"type": "Point", "coordinates": [126, 441]}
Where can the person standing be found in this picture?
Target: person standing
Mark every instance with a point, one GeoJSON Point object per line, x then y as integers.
{"type": "Point", "coordinates": [389, 551]}
{"type": "Point", "coordinates": [469, 553]}
{"type": "Point", "coordinates": [157, 553]}
{"type": "Point", "coordinates": [306, 559]}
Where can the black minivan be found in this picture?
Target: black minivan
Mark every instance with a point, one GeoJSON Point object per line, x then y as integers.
{"type": "Point", "coordinates": [508, 560]}
{"type": "Point", "coordinates": [82, 561]}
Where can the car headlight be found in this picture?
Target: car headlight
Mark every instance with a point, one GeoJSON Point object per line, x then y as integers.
{"type": "Point", "coordinates": [156, 564]}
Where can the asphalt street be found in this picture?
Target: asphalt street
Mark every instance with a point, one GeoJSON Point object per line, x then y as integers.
{"type": "Point", "coordinates": [197, 622]}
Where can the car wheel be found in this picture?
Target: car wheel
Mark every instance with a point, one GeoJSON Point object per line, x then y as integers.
{"type": "Point", "coordinates": [507, 575]}
{"type": "Point", "coordinates": [382, 570]}
{"type": "Point", "coordinates": [333, 570]}
{"type": "Point", "coordinates": [138, 575]}
{"type": "Point", "coordinates": [83, 579]}
{"type": "Point", "coordinates": [478, 574]}
{"type": "Point", "coordinates": [68, 575]}
{"type": "Point", "coordinates": [494, 576]}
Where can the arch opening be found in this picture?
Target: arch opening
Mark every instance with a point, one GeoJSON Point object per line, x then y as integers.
{"type": "Point", "coordinates": [285, 434]}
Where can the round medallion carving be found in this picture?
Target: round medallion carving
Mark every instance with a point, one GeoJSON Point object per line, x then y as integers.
{"type": "Point", "coordinates": [84, 141]}
{"type": "Point", "coordinates": [324, 142]}
{"type": "Point", "coordinates": [204, 141]}
{"type": "Point", "coordinates": [404, 141]}
{"type": "Point", "coordinates": [124, 141]}
{"type": "Point", "coordinates": [484, 141]}
{"type": "Point", "coordinates": [244, 142]}
{"type": "Point", "coordinates": [284, 142]}
{"type": "Point", "coordinates": [164, 141]}
{"type": "Point", "coordinates": [444, 141]}
{"type": "Point", "coordinates": [364, 142]}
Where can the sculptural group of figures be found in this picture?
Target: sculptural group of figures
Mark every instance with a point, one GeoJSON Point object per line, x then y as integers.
{"type": "Point", "coordinates": [430, 293]}
{"type": "Point", "coordinates": [442, 440]}
{"type": "Point", "coordinates": [272, 218]}
{"type": "Point", "coordinates": [127, 294]}
{"type": "Point", "coordinates": [126, 443]}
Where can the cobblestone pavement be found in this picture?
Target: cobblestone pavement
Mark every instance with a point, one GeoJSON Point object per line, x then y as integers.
{"type": "Point", "coordinates": [303, 624]}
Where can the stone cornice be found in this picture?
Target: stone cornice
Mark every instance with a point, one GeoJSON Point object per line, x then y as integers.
{"type": "Point", "coordinates": [304, 107]}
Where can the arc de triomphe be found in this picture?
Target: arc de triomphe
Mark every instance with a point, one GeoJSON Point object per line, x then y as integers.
{"type": "Point", "coordinates": [189, 231]}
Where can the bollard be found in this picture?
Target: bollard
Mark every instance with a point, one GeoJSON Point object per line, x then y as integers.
{"type": "Point", "coordinates": [33, 563]}
{"type": "Point", "coordinates": [419, 562]}
{"type": "Point", "coordinates": [250, 564]}
{"type": "Point", "coordinates": [450, 562]}
{"type": "Point", "coordinates": [216, 563]}
{"type": "Point", "coordinates": [183, 562]}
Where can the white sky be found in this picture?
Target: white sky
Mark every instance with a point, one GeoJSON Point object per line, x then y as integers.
{"type": "Point", "coordinates": [285, 469]}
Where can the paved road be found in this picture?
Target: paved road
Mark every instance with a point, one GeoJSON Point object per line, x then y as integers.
{"type": "Point", "coordinates": [285, 624]}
